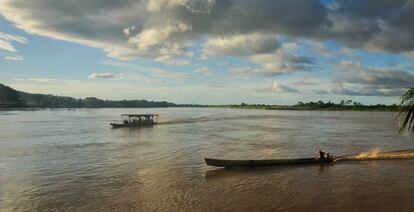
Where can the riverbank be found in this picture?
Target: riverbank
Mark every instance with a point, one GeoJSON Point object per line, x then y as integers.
{"type": "Point", "coordinates": [374, 108]}
{"type": "Point", "coordinates": [10, 98]}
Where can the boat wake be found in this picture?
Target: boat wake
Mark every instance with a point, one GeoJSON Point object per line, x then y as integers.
{"type": "Point", "coordinates": [376, 154]}
{"type": "Point", "coordinates": [211, 118]}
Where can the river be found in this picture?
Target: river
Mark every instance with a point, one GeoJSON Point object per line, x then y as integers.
{"type": "Point", "coordinates": [71, 160]}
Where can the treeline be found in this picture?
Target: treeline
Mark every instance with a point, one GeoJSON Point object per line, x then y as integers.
{"type": "Point", "coordinates": [10, 98]}
{"type": "Point", "coordinates": [92, 102]}
{"type": "Point", "coordinates": [320, 105]}
{"type": "Point", "coordinates": [344, 105]}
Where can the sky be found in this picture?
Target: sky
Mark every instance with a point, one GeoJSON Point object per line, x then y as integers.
{"type": "Point", "coordinates": [210, 51]}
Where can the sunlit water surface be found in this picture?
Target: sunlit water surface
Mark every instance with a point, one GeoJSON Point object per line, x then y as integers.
{"type": "Point", "coordinates": [71, 160]}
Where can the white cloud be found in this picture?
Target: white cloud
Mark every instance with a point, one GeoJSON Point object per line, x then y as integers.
{"type": "Point", "coordinates": [7, 46]}
{"type": "Point", "coordinates": [9, 37]}
{"type": "Point", "coordinates": [282, 61]}
{"type": "Point", "coordinates": [164, 43]}
{"type": "Point", "coordinates": [203, 70]}
{"type": "Point", "coordinates": [112, 76]}
{"type": "Point", "coordinates": [158, 35]}
{"type": "Point", "coordinates": [15, 58]}
{"type": "Point", "coordinates": [6, 41]}
{"type": "Point", "coordinates": [175, 53]}
{"type": "Point", "coordinates": [46, 81]}
{"type": "Point", "coordinates": [279, 88]}
{"type": "Point", "coordinates": [42, 80]}
{"type": "Point", "coordinates": [128, 31]}
{"type": "Point", "coordinates": [157, 5]}
{"type": "Point", "coordinates": [240, 45]}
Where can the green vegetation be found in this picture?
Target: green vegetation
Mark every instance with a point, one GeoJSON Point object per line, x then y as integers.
{"type": "Point", "coordinates": [10, 98]}
{"type": "Point", "coordinates": [319, 105]}
{"type": "Point", "coordinates": [406, 112]}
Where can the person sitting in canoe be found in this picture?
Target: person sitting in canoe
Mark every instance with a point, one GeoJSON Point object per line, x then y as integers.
{"type": "Point", "coordinates": [323, 155]}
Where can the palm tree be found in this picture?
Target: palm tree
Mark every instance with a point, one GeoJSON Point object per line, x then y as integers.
{"type": "Point", "coordinates": [406, 112]}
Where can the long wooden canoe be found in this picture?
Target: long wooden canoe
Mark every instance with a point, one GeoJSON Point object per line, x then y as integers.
{"type": "Point", "coordinates": [281, 162]}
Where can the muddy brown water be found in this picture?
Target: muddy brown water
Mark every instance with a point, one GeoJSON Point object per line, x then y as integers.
{"type": "Point", "coordinates": [71, 160]}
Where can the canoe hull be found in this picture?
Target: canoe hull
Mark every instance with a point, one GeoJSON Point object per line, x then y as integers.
{"type": "Point", "coordinates": [114, 125]}
{"type": "Point", "coordinates": [285, 162]}
{"type": "Point", "coordinates": [117, 125]}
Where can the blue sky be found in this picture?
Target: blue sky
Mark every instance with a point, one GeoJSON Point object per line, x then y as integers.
{"type": "Point", "coordinates": [210, 51]}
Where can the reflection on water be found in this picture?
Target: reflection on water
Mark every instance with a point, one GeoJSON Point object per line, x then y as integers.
{"type": "Point", "coordinates": [72, 160]}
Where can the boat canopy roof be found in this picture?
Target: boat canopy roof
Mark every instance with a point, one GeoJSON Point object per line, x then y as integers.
{"type": "Point", "coordinates": [139, 115]}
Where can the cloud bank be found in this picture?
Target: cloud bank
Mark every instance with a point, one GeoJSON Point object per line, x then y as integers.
{"type": "Point", "coordinates": [362, 81]}
{"type": "Point", "coordinates": [165, 30]}
{"type": "Point", "coordinates": [263, 33]}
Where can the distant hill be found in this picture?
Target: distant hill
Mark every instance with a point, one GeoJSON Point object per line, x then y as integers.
{"type": "Point", "coordinates": [10, 98]}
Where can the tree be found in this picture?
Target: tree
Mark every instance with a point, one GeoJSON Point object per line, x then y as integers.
{"type": "Point", "coordinates": [406, 112]}
{"type": "Point", "coordinates": [9, 97]}
{"type": "Point", "coordinates": [92, 102]}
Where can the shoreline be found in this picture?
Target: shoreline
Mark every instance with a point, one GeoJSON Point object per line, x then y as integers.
{"type": "Point", "coordinates": [282, 108]}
